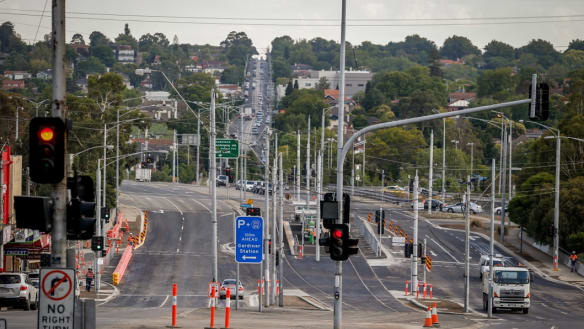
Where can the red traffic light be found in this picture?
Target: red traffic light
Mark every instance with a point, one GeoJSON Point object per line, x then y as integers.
{"type": "Point", "coordinates": [337, 234]}
{"type": "Point", "coordinates": [46, 134]}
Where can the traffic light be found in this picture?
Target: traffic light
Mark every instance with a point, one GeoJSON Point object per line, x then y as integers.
{"type": "Point", "coordinates": [105, 214]}
{"type": "Point", "coordinates": [379, 214]}
{"type": "Point", "coordinates": [332, 197]}
{"type": "Point", "coordinates": [97, 243]}
{"type": "Point", "coordinates": [80, 220]}
{"type": "Point", "coordinates": [34, 212]}
{"type": "Point", "coordinates": [229, 174]}
{"type": "Point", "coordinates": [411, 189]}
{"type": "Point", "coordinates": [253, 212]}
{"type": "Point", "coordinates": [81, 187]}
{"type": "Point", "coordinates": [269, 246]}
{"type": "Point", "coordinates": [542, 102]}
{"type": "Point", "coordinates": [47, 150]}
{"type": "Point", "coordinates": [408, 249]}
{"type": "Point", "coordinates": [381, 227]}
{"type": "Point", "coordinates": [341, 246]}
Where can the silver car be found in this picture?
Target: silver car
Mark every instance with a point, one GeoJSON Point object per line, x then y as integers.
{"type": "Point", "coordinates": [16, 289]}
{"type": "Point", "coordinates": [230, 284]}
{"type": "Point", "coordinates": [460, 208]}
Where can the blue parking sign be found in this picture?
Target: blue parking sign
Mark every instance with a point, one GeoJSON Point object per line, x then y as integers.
{"type": "Point", "coordinates": [248, 239]}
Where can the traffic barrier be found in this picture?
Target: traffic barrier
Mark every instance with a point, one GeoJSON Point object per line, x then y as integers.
{"type": "Point", "coordinates": [424, 290]}
{"type": "Point", "coordinates": [262, 288]}
{"type": "Point", "coordinates": [418, 291]}
{"type": "Point", "coordinates": [428, 321]}
{"type": "Point", "coordinates": [174, 305]}
{"type": "Point", "coordinates": [435, 316]}
{"type": "Point", "coordinates": [122, 265]}
{"type": "Point", "coordinates": [299, 252]}
{"type": "Point", "coordinates": [212, 325]}
{"type": "Point", "coordinates": [430, 291]}
{"type": "Point", "coordinates": [227, 307]}
{"type": "Point", "coordinates": [407, 282]}
{"type": "Point", "coordinates": [278, 287]}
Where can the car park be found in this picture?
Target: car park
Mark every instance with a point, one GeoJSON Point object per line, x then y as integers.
{"type": "Point", "coordinates": [17, 289]}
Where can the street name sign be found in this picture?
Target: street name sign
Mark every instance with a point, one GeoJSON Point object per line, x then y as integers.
{"type": "Point", "coordinates": [398, 241]}
{"type": "Point", "coordinates": [227, 148]}
{"type": "Point", "coordinates": [248, 239]}
{"type": "Point", "coordinates": [57, 298]}
{"type": "Point", "coordinates": [245, 205]}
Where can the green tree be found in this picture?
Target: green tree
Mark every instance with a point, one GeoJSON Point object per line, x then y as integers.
{"type": "Point", "coordinates": [497, 83]}
{"type": "Point", "coordinates": [543, 51]}
{"type": "Point", "coordinates": [97, 38]}
{"type": "Point", "coordinates": [281, 69]}
{"type": "Point", "coordinates": [322, 84]}
{"type": "Point", "coordinates": [456, 47]}
{"type": "Point", "coordinates": [104, 53]}
{"type": "Point", "coordinates": [289, 88]}
{"type": "Point", "coordinates": [576, 44]}
{"type": "Point", "coordinates": [499, 49]}
{"type": "Point", "coordinates": [91, 65]}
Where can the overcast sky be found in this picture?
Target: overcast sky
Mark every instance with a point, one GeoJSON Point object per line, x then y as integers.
{"type": "Point", "coordinates": [558, 21]}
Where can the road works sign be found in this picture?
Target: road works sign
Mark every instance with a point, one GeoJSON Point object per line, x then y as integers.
{"type": "Point", "coordinates": [57, 298]}
{"type": "Point", "coordinates": [227, 148]}
{"type": "Point", "coordinates": [248, 239]}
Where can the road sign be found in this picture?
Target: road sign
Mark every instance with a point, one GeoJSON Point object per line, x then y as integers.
{"type": "Point", "coordinates": [188, 139]}
{"type": "Point", "coordinates": [245, 205]}
{"type": "Point", "coordinates": [227, 148]}
{"type": "Point", "coordinates": [398, 241]}
{"type": "Point", "coordinates": [57, 298]}
{"type": "Point", "coordinates": [248, 239]}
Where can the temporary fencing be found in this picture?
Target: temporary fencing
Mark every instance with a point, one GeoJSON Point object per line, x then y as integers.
{"type": "Point", "coordinates": [122, 266]}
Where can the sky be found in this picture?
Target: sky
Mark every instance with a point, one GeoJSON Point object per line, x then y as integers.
{"type": "Point", "coordinates": [380, 21]}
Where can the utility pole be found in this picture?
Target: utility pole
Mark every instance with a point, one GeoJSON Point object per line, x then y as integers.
{"type": "Point", "coordinates": [274, 218]}
{"type": "Point", "coordinates": [318, 192]}
{"type": "Point", "coordinates": [556, 202]}
{"type": "Point", "coordinates": [338, 295]}
{"type": "Point", "coordinates": [59, 109]}
{"type": "Point", "coordinates": [97, 226]}
{"type": "Point", "coordinates": [443, 160]}
{"type": "Point", "coordinates": [173, 156]}
{"type": "Point", "coordinates": [364, 146]}
{"type": "Point", "coordinates": [510, 164]}
{"type": "Point", "coordinates": [467, 246]}
{"type": "Point", "coordinates": [414, 262]}
{"type": "Point", "coordinates": [244, 174]}
{"type": "Point", "coordinates": [1, 208]}
{"type": "Point", "coordinates": [267, 217]}
{"type": "Point", "coordinates": [501, 160]}
{"type": "Point", "coordinates": [298, 165]}
{"type": "Point", "coordinates": [212, 181]}
{"type": "Point", "coordinates": [118, 160]}
{"type": "Point", "coordinates": [104, 185]}
{"type": "Point", "coordinates": [281, 235]}
{"type": "Point", "coordinates": [16, 137]}
{"type": "Point", "coordinates": [430, 176]}
{"type": "Point", "coordinates": [504, 144]}
{"type": "Point", "coordinates": [352, 174]}
{"type": "Point", "coordinates": [492, 242]}
{"type": "Point", "coordinates": [198, 142]}
{"type": "Point", "coordinates": [308, 165]}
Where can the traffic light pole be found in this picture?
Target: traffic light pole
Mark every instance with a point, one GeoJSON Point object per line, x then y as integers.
{"type": "Point", "coordinates": [318, 214]}
{"type": "Point", "coordinates": [267, 218]}
{"type": "Point", "coordinates": [414, 264]}
{"type": "Point", "coordinates": [213, 182]}
{"type": "Point", "coordinates": [97, 224]}
{"type": "Point", "coordinates": [467, 246]}
{"type": "Point", "coordinates": [281, 235]}
{"type": "Point", "coordinates": [59, 194]}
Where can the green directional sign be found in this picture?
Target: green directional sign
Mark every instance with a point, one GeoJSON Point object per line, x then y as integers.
{"type": "Point", "coordinates": [227, 148]}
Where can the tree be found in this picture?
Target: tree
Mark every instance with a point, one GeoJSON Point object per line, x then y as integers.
{"type": "Point", "coordinates": [78, 39]}
{"type": "Point", "coordinates": [91, 65]}
{"type": "Point", "coordinates": [126, 38]}
{"type": "Point", "coordinates": [497, 83]}
{"type": "Point", "coordinates": [456, 47]}
{"type": "Point", "coordinates": [97, 38]}
{"type": "Point", "coordinates": [104, 53]}
{"type": "Point", "coordinates": [232, 74]}
{"type": "Point", "coordinates": [126, 29]}
{"type": "Point", "coordinates": [435, 70]}
{"type": "Point", "coordinates": [296, 84]}
{"type": "Point", "coordinates": [9, 41]}
{"type": "Point", "coordinates": [106, 90]}
{"type": "Point", "coordinates": [281, 68]}
{"type": "Point", "coordinates": [499, 49]}
{"type": "Point", "coordinates": [543, 52]}
{"type": "Point", "coordinates": [322, 84]}
{"type": "Point", "coordinates": [576, 44]}
{"type": "Point", "coordinates": [289, 88]}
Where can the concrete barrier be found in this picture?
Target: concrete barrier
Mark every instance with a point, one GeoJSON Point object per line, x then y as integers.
{"type": "Point", "coordinates": [122, 266]}
{"type": "Point", "coordinates": [289, 237]}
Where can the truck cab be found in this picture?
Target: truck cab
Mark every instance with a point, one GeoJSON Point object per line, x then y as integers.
{"type": "Point", "coordinates": [511, 288]}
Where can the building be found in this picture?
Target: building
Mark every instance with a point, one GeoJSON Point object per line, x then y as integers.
{"type": "Point", "coordinates": [45, 75]}
{"type": "Point", "coordinates": [461, 95]}
{"type": "Point", "coordinates": [458, 105]}
{"type": "Point", "coordinates": [125, 54]}
{"type": "Point", "coordinates": [231, 90]}
{"type": "Point", "coordinates": [355, 81]}
{"type": "Point", "coordinates": [159, 105]}
{"type": "Point", "coordinates": [12, 84]}
{"type": "Point", "coordinates": [17, 75]}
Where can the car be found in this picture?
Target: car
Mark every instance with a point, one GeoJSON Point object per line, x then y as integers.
{"type": "Point", "coordinates": [498, 210]}
{"type": "Point", "coordinates": [258, 124]}
{"type": "Point", "coordinates": [460, 208]}
{"type": "Point", "coordinates": [436, 204]}
{"type": "Point", "coordinates": [17, 289]}
{"type": "Point", "coordinates": [420, 205]}
{"type": "Point", "coordinates": [486, 262]}
{"type": "Point", "coordinates": [230, 284]}
{"type": "Point", "coordinates": [249, 185]}
{"type": "Point", "coordinates": [257, 187]}
{"type": "Point", "coordinates": [222, 180]}
{"type": "Point", "coordinates": [393, 188]}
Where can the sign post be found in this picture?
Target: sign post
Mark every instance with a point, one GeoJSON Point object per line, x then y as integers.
{"type": "Point", "coordinates": [248, 239]}
{"type": "Point", "coordinates": [227, 148]}
{"type": "Point", "coordinates": [57, 298]}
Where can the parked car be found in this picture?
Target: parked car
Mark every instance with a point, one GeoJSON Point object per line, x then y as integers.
{"type": "Point", "coordinates": [436, 205]}
{"type": "Point", "coordinates": [393, 188]}
{"type": "Point", "coordinates": [249, 185]}
{"type": "Point", "coordinates": [16, 289]}
{"type": "Point", "coordinates": [498, 210]}
{"type": "Point", "coordinates": [460, 208]}
{"type": "Point", "coordinates": [420, 205]}
{"type": "Point", "coordinates": [222, 180]}
{"type": "Point", "coordinates": [230, 284]}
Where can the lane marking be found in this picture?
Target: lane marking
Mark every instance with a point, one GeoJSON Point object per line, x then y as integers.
{"type": "Point", "coordinates": [433, 253]}
{"type": "Point", "coordinates": [441, 247]}
{"type": "Point", "coordinates": [177, 208]}
{"type": "Point", "coordinates": [164, 302]}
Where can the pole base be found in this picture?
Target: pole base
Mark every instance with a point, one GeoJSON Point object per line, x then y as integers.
{"type": "Point", "coordinates": [556, 269]}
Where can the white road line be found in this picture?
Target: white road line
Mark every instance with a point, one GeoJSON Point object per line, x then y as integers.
{"type": "Point", "coordinates": [164, 302]}
{"type": "Point", "coordinates": [177, 250]}
{"type": "Point", "coordinates": [446, 251]}
{"type": "Point", "coordinates": [433, 253]}
{"type": "Point", "coordinates": [177, 208]}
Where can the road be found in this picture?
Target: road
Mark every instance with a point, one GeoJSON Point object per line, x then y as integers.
{"type": "Point", "coordinates": [552, 303]}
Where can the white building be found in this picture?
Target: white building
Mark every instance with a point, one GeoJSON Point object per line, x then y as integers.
{"type": "Point", "coordinates": [355, 81]}
{"type": "Point", "coordinates": [125, 54]}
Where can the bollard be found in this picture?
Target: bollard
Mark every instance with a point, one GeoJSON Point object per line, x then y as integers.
{"type": "Point", "coordinates": [263, 290]}
{"type": "Point", "coordinates": [278, 287]}
{"type": "Point", "coordinates": [300, 252]}
{"type": "Point", "coordinates": [212, 326]}
{"type": "Point", "coordinates": [407, 282]}
{"type": "Point", "coordinates": [174, 305]}
{"type": "Point", "coordinates": [424, 290]}
{"type": "Point", "coordinates": [259, 291]}
{"type": "Point", "coordinates": [227, 307]}
{"type": "Point", "coordinates": [430, 291]}
{"type": "Point", "coordinates": [418, 291]}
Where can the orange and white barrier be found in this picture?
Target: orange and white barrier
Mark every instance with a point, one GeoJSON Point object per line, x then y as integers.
{"type": "Point", "coordinates": [430, 291]}
{"type": "Point", "coordinates": [435, 316]}
{"type": "Point", "coordinates": [174, 290]}
{"type": "Point", "coordinates": [425, 289]}
{"type": "Point", "coordinates": [418, 291]}
{"type": "Point", "coordinates": [407, 282]}
{"type": "Point", "coordinates": [299, 252]}
{"type": "Point", "coordinates": [213, 300]}
{"type": "Point", "coordinates": [428, 321]}
{"type": "Point", "coordinates": [278, 287]}
{"type": "Point", "coordinates": [261, 286]}
{"type": "Point", "coordinates": [122, 265]}
{"type": "Point", "coordinates": [227, 307]}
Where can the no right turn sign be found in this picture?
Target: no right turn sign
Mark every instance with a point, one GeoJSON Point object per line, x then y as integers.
{"type": "Point", "coordinates": [57, 298]}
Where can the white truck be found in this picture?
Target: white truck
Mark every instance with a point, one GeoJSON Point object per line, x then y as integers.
{"type": "Point", "coordinates": [143, 175]}
{"type": "Point", "coordinates": [247, 113]}
{"type": "Point", "coordinates": [511, 289]}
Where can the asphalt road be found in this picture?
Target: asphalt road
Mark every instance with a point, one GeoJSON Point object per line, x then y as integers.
{"type": "Point", "coordinates": [552, 303]}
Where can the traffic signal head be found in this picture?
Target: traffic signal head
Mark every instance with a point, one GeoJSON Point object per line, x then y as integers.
{"type": "Point", "coordinates": [34, 212]}
{"type": "Point", "coordinates": [81, 187]}
{"type": "Point", "coordinates": [105, 214]}
{"type": "Point", "coordinates": [542, 103]}
{"type": "Point", "coordinates": [97, 243]}
{"type": "Point", "coordinates": [253, 212]}
{"type": "Point", "coordinates": [341, 246]}
{"type": "Point", "coordinates": [47, 150]}
{"type": "Point", "coordinates": [80, 220]}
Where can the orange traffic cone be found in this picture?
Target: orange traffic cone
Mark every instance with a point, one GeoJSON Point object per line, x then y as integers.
{"type": "Point", "coordinates": [435, 316]}
{"type": "Point", "coordinates": [428, 321]}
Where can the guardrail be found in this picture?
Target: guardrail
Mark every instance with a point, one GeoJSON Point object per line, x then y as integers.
{"type": "Point", "coordinates": [122, 266]}
{"type": "Point", "coordinates": [367, 233]}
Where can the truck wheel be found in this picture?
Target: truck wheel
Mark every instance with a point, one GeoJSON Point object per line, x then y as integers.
{"type": "Point", "coordinates": [525, 310]}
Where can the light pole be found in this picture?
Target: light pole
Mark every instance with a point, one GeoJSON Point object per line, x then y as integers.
{"type": "Point", "coordinates": [443, 156]}
{"type": "Point", "coordinates": [431, 173]}
{"type": "Point", "coordinates": [471, 156]}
